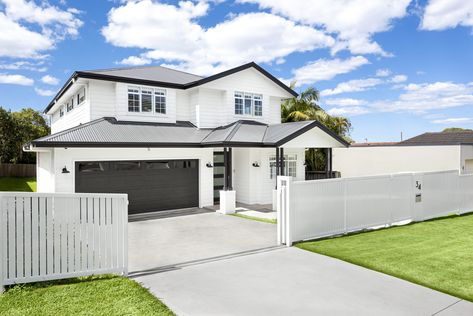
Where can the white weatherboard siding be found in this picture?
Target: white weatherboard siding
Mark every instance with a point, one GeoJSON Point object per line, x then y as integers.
{"type": "Point", "coordinates": [68, 157]}
{"type": "Point", "coordinates": [211, 108]}
{"type": "Point", "coordinates": [103, 99]}
{"type": "Point", "coordinates": [79, 115]}
{"type": "Point", "coordinates": [250, 81]}
{"type": "Point", "coordinates": [183, 109]}
{"type": "Point", "coordinates": [365, 161]}
{"type": "Point", "coordinates": [254, 185]}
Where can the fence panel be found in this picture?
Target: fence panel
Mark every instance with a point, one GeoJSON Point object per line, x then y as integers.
{"type": "Point", "coordinates": [17, 170]}
{"type": "Point", "coordinates": [313, 209]}
{"type": "Point", "coordinates": [54, 236]}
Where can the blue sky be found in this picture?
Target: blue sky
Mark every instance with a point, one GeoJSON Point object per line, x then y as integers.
{"type": "Point", "coordinates": [391, 66]}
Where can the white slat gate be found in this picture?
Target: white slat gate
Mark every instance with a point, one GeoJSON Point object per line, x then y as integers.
{"type": "Point", "coordinates": [48, 236]}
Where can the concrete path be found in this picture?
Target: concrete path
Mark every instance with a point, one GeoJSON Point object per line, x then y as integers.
{"type": "Point", "coordinates": [290, 281]}
{"type": "Point", "coordinates": [164, 243]}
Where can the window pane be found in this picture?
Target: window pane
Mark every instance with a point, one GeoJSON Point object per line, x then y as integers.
{"type": "Point", "coordinates": [238, 106]}
{"type": "Point", "coordinates": [258, 108]}
{"type": "Point", "coordinates": [133, 100]}
{"type": "Point", "coordinates": [146, 101]}
{"type": "Point", "coordinates": [160, 104]}
{"type": "Point", "coordinates": [248, 104]}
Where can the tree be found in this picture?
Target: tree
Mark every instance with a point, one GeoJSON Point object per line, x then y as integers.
{"type": "Point", "coordinates": [17, 129]}
{"type": "Point", "coordinates": [305, 107]}
{"type": "Point", "coordinates": [456, 130]}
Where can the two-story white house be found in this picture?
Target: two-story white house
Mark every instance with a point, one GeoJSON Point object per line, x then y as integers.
{"type": "Point", "coordinates": [174, 140]}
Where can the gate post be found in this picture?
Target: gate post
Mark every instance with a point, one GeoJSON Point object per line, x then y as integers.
{"type": "Point", "coordinates": [284, 214]}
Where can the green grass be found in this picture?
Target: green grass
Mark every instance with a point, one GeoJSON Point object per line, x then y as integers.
{"type": "Point", "coordinates": [264, 220]}
{"type": "Point", "coordinates": [17, 184]}
{"type": "Point", "coordinates": [437, 254]}
{"type": "Point", "coordinates": [100, 295]}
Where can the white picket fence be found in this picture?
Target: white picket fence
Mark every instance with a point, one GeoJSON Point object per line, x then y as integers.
{"type": "Point", "coordinates": [48, 236]}
{"type": "Point", "coordinates": [321, 208]}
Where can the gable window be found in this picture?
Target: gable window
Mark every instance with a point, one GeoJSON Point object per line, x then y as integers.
{"type": "Point", "coordinates": [248, 104]}
{"type": "Point", "coordinates": [290, 166]}
{"type": "Point", "coordinates": [133, 99]}
{"type": "Point", "coordinates": [146, 100]}
{"type": "Point", "coordinates": [160, 101]}
{"type": "Point", "coordinates": [70, 105]}
{"type": "Point", "coordinates": [61, 111]}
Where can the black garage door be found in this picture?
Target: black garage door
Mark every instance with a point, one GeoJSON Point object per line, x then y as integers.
{"type": "Point", "coordinates": [151, 185]}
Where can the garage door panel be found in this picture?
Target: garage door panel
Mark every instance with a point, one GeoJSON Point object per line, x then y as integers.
{"type": "Point", "coordinates": [150, 185]}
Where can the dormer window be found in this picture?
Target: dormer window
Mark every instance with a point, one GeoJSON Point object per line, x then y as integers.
{"type": "Point", "coordinates": [249, 104]}
{"type": "Point", "coordinates": [146, 100]}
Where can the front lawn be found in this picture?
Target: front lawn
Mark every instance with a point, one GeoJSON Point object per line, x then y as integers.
{"type": "Point", "coordinates": [102, 295]}
{"type": "Point", "coordinates": [17, 184]}
{"type": "Point", "coordinates": [258, 219]}
{"type": "Point", "coordinates": [437, 254]}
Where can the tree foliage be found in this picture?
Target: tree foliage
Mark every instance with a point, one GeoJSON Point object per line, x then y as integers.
{"type": "Point", "coordinates": [456, 129]}
{"type": "Point", "coordinates": [305, 107]}
{"type": "Point", "coordinates": [17, 129]}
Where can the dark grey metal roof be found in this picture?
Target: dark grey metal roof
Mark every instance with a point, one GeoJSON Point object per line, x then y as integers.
{"type": "Point", "coordinates": [159, 76]}
{"type": "Point", "coordinates": [108, 132]}
{"type": "Point", "coordinates": [440, 138]}
{"type": "Point", "coordinates": [152, 73]}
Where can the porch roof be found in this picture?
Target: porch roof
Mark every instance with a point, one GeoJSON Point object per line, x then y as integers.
{"type": "Point", "coordinates": [108, 132]}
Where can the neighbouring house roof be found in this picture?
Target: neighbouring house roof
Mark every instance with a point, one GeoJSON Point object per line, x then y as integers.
{"type": "Point", "coordinates": [440, 138]}
{"type": "Point", "coordinates": [374, 144]}
{"type": "Point", "coordinates": [159, 76]}
{"type": "Point", "coordinates": [108, 132]}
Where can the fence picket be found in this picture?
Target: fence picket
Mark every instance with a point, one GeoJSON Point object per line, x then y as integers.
{"type": "Point", "coordinates": [46, 236]}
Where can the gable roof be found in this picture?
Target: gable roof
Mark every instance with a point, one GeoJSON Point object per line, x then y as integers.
{"type": "Point", "coordinates": [108, 132]}
{"type": "Point", "coordinates": [160, 76]}
{"type": "Point", "coordinates": [440, 138]}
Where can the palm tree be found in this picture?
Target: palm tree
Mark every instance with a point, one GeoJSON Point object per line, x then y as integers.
{"type": "Point", "coordinates": [305, 107]}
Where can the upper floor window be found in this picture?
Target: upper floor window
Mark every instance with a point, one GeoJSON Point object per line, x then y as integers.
{"type": "Point", "coordinates": [61, 111]}
{"type": "Point", "coordinates": [248, 104]}
{"type": "Point", "coordinates": [70, 105]}
{"type": "Point", "coordinates": [146, 100]}
{"type": "Point", "coordinates": [81, 96]}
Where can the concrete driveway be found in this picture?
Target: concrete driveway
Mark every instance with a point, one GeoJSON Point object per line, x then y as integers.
{"type": "Point", "coordinates": [290, 281]}
{"type": "Point", "coordinates": [176, 241]}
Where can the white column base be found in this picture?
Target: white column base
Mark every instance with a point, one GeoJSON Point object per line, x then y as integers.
{"type": "Point", "coordinates": [275, 199]}
{"type": "Point", "coordinates": [227, 202]}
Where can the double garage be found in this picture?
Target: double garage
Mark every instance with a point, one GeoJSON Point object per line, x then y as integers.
{"type": "Point", "coordinates": [151, 185]}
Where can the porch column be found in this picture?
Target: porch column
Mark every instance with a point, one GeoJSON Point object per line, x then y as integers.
{"type": "Point", "coordinates": [281, 156]}
{"type": "Point", "coordinates": [328, 162]}
{"type": "Point", "coordinates": [227, 195]}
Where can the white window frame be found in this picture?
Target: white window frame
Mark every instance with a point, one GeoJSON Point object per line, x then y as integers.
{"type": "Point", "coordinates": [154, 93]}
{"type": "Point", "coordinates": [254, 98]}
{"type": "Point", "coordinates": [290, 166]}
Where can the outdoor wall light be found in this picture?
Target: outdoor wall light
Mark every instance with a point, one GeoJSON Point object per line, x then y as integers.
{"type": "Point", "coordinates": [64, 170]}
{"type": "Point", "coordinates": [209, 165]}
{"type": "Point", "coordinates": [255, 164]}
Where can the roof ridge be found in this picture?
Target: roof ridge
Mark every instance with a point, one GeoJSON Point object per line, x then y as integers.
{"type": "Point", "coordinates": [141, 67]}
{"type": "Point", "coordinates": [233, 131]}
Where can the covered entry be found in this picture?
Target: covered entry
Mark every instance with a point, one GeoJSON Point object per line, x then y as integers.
{"type": "Point", "coordinates": [151, 185]}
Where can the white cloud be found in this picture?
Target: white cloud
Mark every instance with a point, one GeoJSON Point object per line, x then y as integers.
{"type": "Point", "coordinates": [456, 120]}
{"type": "Point", "coordinates": [15, 79]}
{"type": "Point", "coordinates": [429, 96]}
{"type": "Point", "coordinates": [345, 102]}
{"type": "Point", "coordinates": [326, 69]}
{"type": "Point", "coordinates": [50, 80]}
{"type": "Point", "coordinates": [171, 33]}
{"type": "Point", "coordinates": [135, 61]}
{"type": "Point", "coordinates": [33, 29]}
{"type": "Point", "coordinates": [44, 93]}
{"type": "Point", "coordinates": [348, 111]}
{"type": "Point", "coordinates": [445, 14]}
{"type": "Point", "coordinates": [383, 72]}
{"type": "Point", "coordinates": [355, 21]}
{"type": "Point", "coordinates": [26, 65]}
{"type": "Point", "coordinates": [355, 85]}
{"type": "Point", "coordinates": [398, 78]}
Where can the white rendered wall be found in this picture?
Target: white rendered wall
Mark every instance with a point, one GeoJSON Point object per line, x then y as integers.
{"type": "Point", "coordinates": [364, 161]}
{"type": "Point", "coordinates": [45, 171]}
{"type": "Point", "coordinates": [466, 159]}
{"type": "Point", "coordinates": [68, 157]}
